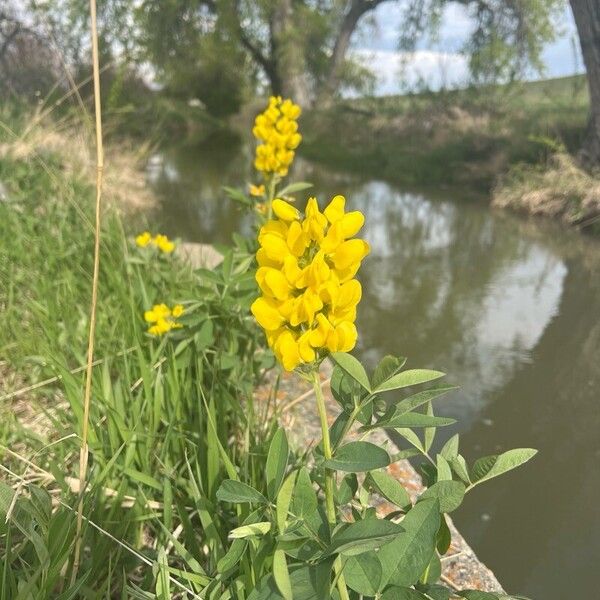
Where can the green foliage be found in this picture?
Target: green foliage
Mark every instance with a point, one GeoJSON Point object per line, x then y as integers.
{"type": "Point", "coordinates": [397, 556]}
{"type": "Point", "coordinates": [164, 412]}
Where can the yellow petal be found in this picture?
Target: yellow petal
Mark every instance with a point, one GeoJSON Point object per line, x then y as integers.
{"type": "Point", "coordinates": [307, 354]}
{"type": "Point", "coordinates": [284, 210]}
{"type": "Point", "coordinates": [274, 246]}
{"type": "Point", "coordinates": [334, 237]}
{"type": "Point", "coordinates": [351, 223]}
{"type": "Point", "coordinates": [178, 310]}
{"type": "Point", "coordinates": [350, 294]}
{"type": "Point", "coordinates": [296, 239]}
{"type": "Point", "coordinates": [349, 253]}
{"type": "Point", "coordinates": [265, 312]}
{"type": "Point", "coordinates": [287, 351]}
{"type": "Point", "coordinates": [346, 336]}
{"type": "Point", "coordinates": [143, 239]}
{"type": "Point", "coordinates": [335, 210]}
{"type": "Point", "coordinates": [277, 284]}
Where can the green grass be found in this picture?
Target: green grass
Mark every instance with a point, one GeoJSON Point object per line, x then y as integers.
{"type": "Point", "coordinates": [463, 138]}
{"type": "Point", "coordinates": [162, 412]}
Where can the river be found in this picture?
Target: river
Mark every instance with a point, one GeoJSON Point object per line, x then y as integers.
{"type": "Point", "coordinates": [507, 307]}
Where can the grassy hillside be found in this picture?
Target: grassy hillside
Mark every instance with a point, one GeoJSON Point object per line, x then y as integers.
{"type": "Point", "coordinates": [455, 138]}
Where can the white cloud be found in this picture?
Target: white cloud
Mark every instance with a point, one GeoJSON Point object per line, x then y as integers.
{"type": "Point", "coordinates": [442, 63]}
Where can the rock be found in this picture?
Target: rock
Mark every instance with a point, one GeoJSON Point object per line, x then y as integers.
{"type": "Point", "coordinates": [199, 255]}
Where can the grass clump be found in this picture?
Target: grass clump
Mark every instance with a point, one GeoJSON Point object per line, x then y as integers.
{"type": "Point", "coordinates": [560, 189]}
{"type": "Point", "coordinates": [453, 138]}
{"type": "Point", "coordinates": [163, 409]}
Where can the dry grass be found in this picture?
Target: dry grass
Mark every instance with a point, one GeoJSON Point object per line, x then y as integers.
{"type": "Point", "coordinates": [560, 190]}
{"type": "Point", "coordinates": [124, 179]}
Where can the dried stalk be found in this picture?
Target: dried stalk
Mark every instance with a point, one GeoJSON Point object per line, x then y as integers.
{"type": "Point", "coordinates": [84, 451]}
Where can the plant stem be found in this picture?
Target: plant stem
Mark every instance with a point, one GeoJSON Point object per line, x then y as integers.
{"type": "Point", "coordinates": [84, 450]}
{"type": "Point", "coordinates": [329, 489]}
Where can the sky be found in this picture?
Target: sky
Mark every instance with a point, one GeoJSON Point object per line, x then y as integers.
{"type": "Point", "coordinates": [443, 64]}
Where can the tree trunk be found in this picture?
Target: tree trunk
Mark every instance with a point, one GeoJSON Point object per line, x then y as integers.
{"type": "Point", "coordinates": [340, 48]}
{"type": "Point", "coordinates": [587, 20]}
{"type": "Point", "coordinates": [288, 55]}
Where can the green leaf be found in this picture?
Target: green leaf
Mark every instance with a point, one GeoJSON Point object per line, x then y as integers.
{"type": "Point", "coordinates": [459, 466]}
{"type": "Point", "coordinates": [298, 186]}
{"type": "Point", "coordinates": [277, 460]}
{"type": "Point", "coordinates": [304, 500]}
{"type": "Point", "coordinates": [351, 365]}
{"type": "Point", "coordinates": [436, 592]}
{"type": "Point", "coordinates": [450, 449]}
{"type": "Point", "coordinates": [449, 493]}
{"type": "Point", "coordinates": [237, 195]}
{"type": "Point", "coordinates": [233, 555]}
{"type": "Point", "coordinates": [362, 536]}
{"type": "Point", "coordinates": [408, 378]}
{"type": "Point", "coordinates": [308, 583]}
{"type": "Point", "coordinates": [411, 419]}
{"type": "Point", "coordinates": [444, 537]}
{"type": "Point", "coordinates": [356, 457]}
{"type": "Point", "coordinates": [282, 575]}
{"type": "Point", "coordinates": [405, 559]}
{"type": "Point", "coordinates": [492, 466]}
{"type": "Point", "coordinates": [143, 478]}
{"type": "Point", "coordinates": [249, 530]}
{"type": "Point", "coordinates": [284, 499]}
{"type": "Point", "coordinates": [402, 593]}
{"type": "Point", "coordinates": [237, 492]}
{"type": "Point", "coordinates": [477, 595]}
{"type": "Point", "coordinates": [347, 489]}
{"type": "Point", "coordinates": [388, 487]}
{"type": "Point", "coordinates": [388, 366]}
{"type": "Point", "coordinates": [444, 472]}
{"type": "Point", "coordinates": [418, 399]}
{"type": "Point", "coordinates": [363, 573]}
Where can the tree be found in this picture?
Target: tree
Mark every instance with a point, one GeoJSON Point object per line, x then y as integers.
{"type": "Point", "coordinates": [300, 47]}
{"type": "Point", "coordinates": [587, 21]}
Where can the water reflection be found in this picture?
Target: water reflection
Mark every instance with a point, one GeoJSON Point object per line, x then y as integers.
{"type": "Point", "coordinates": [508, 309]}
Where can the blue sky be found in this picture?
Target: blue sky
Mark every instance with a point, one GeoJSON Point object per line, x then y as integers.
{"type": "Point", "coordinates": [443, 63]}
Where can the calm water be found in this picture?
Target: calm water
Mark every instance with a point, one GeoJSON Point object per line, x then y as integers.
{"type": "Point", "coordinates": [509, 309]}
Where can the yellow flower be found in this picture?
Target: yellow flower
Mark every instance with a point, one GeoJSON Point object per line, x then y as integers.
{"type": "Point", "coordinates": [163, 318]}
{"type": "Point", "coordinates": [143, 239]}
{"type": "Point", "coordinates": [257, 190]}
{"type": "Point", "coordinates": [277, 130]}
{"type": "Point", "coordinates": [306, 274]}
{"type": "Point", "coordinates": [163, 243]}
{"type": "Point", "coordinates": [177, 311]}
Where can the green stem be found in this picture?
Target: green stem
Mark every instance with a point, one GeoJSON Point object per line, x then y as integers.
{"type": "Point", "coordinates": [329, 489]}
{"type": "Point", "coordinates": [271, 194]}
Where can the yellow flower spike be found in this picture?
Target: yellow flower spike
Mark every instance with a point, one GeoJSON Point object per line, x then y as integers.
{"type": "Point", "coordinates": [178, 310]}
{"type": "Point", "coordinates": [277, 131]}
{"type": "Point", "coordinates": [143, 239]}
{"type": "Point", "coordinates": [306, 269]}
{"type": "Point", "coordinates": [257, 190]}
{"type": "Point", "coordinates": [284, 210]}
